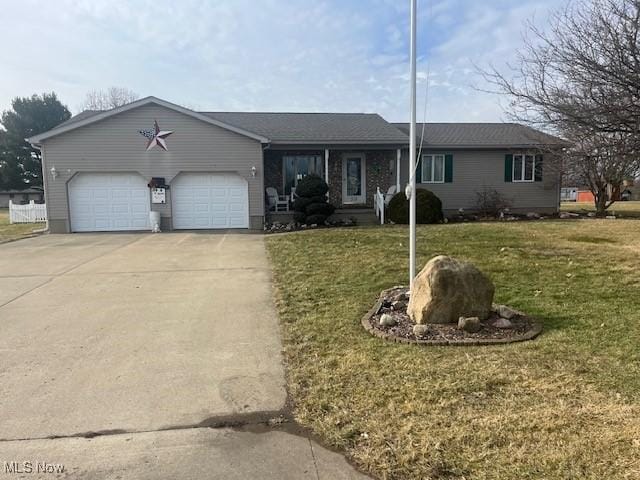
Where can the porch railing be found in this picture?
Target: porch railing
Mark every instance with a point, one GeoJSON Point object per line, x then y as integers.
{"type": "Point", "coordinates": [378, 205]}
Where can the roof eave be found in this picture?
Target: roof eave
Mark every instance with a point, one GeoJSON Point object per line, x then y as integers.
{"type": "Point", "coordinates": [36, 140]}
{"type": "Point", "coordinates": [490, 147]}
{"type": "Point", "coordinates": [391, 143]}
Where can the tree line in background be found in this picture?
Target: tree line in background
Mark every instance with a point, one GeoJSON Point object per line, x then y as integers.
{"type": "Point", "coordinates": [20, 163]}
{"type": "Point", "coordinates": [580, 78]}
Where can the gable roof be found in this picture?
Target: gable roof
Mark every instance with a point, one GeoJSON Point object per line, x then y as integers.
{"type": "Point", "coordinates": [307, 128]}
{"type": "Point", "coordinates": [335, 128]}
{"type": "Point", "coordinates": [481, 135]}
{"type": "Point", "coordinates": [92, 116]}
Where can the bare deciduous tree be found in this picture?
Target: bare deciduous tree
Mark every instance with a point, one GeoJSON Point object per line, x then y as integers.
{"type": "Point", "coordinates": [580, 79]}
{"type": "Point", "coordinates": [107, 99]}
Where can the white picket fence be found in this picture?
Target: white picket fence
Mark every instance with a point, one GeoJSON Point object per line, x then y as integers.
{"type": "Point", "coordinates": [30, 213]}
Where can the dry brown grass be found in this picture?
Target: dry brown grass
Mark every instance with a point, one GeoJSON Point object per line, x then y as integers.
{"type": "Point", "coordinates": [565, 406]}
{"type": "Point", "coordinates": [10, 232]}
{"type": "Point", "coordinates": [622, 209]}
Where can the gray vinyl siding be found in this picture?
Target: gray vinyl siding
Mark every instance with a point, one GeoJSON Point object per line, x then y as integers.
{"type": "Point", "coordinates": [475, 170]}
{"type": "Point", "coordinates": [114, 145]}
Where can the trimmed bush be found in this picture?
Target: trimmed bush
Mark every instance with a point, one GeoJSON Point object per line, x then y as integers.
{"type": "Point", "coordinates": [316, 219]}
{"type": "Point", "coordinates": [428, 208]}
{"type": "Point", "coordinates": [301, 203]}
{"type": "Point", "coordinates": [325, 209]}
{"type": "Point", "coordinates": [311, 186]}
{"type": "Point", "coordinates": [311, 206]}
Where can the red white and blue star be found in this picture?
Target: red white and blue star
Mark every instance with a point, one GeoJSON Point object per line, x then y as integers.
{"type": "Point", "coordinates": [156, 136]}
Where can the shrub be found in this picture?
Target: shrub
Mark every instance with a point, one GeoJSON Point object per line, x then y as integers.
{"type": "Point", "coordinates": [301, 203]}
{"type": "Point", "coordinates": [490, 202]}
{"type": "Point", "coordinates": [311, 205]}
{"type": "Point", "coordinates": [312, 186]}
{"type": "Point", "coordinates": [428, 208]}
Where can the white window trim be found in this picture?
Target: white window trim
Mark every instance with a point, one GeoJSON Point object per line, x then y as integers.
{"type": "Point", "coordinates": [522, 161]}
{"type": "Point", "coordinates": [433, 167]}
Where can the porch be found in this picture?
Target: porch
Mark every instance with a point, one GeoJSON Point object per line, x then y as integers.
{"type": "Point", "coordinates": [361, 216]}
{"type": "Point", "coordinates": [354, 177]}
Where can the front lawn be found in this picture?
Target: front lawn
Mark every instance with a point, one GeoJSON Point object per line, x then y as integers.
{"type": "Point", "coordinates": [622, 209]}
{"type": "Point", "coordinates": [565, 406]}
{"type": "Point", "coordinates": [17, 230]}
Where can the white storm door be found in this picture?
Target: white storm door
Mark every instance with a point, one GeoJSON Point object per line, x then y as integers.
{"type": "Point", "coordinates": [353, 179]}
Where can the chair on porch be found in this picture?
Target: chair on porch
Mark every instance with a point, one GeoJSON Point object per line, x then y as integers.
{"type": "Point", "coordinates": [276, 201]}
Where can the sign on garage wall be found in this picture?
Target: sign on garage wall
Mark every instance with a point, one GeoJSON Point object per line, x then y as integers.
{"type": "Point", "coordinates": [158, 195]}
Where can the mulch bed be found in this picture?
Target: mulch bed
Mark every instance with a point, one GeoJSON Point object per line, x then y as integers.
{"type": "Point", "coordinates": [523, 327]}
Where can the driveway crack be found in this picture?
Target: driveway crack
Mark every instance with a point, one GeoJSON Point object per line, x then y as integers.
{"type": "Point", "coordinates": [256, 422]}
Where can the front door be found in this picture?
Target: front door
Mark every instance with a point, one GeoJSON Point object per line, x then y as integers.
{"type": "Point", "coordinates": [353, 179]}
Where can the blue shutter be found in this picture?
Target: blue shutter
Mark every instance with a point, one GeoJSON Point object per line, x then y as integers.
{"type": "Point", "coordinates": [419, 171]}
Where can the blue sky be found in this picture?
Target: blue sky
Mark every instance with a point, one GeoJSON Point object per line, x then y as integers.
{"type": "Point", "coordinates": [265, 55]}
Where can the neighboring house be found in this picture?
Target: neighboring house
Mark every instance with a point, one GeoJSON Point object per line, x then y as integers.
{"type": "Point", "coordinates": [20, 197]}
{"type": "Point", "coordinates": [99, 166]}
{"type": "Point", "coordinates": [569, 194]}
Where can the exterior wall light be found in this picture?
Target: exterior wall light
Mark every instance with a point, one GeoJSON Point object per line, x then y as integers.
{"type": "Point", "coordinates": [254, 170]}
{"type": "Point", "coordinates": [54, 172]}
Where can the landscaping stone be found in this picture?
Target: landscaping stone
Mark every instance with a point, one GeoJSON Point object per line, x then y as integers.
{"type": "Point", "coordinates": [387, 320]}
{"type": "Point", "coordinates": [505, 312]}
{"type": "Point", "coordinates": [399, 305]}
{"type": "Point", "coordinates": [533, 215]}
{"type": "Point", "coordinates": [469, 324]}
{"type": "Point", "coordinates": [420, 330]}
{"type": "Point", "coordinates": [447, 289]}
{"type": "Point", "coordinates": [503, 323]}
{"type": "Point", "coordinates": [406, 331]}
{"type": "Point", "coordinates": [399, 297]}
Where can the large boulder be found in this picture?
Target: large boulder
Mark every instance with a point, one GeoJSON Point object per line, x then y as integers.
{"type": "Point", "coordinates": [447, 289]}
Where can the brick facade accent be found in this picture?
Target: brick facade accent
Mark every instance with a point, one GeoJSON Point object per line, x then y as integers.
{"type": "Point", "coordinates": [380, 168]}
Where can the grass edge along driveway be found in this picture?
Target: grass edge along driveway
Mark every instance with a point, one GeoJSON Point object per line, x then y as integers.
{"type": "Point", "coordinates": [10, 232]}
{"type": "Point", "coordinates": [563, 406]}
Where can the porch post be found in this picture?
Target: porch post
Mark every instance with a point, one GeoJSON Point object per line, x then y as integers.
{"type": "Point", "coordinates": [326, 165]}
{"type": "Point", "coordinates": [398, 156]}
{"type": "Point", "coordinates": [326, 168]}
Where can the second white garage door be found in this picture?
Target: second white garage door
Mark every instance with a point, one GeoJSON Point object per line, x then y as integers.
{"type": "Point", "coordinates": [210, 201]}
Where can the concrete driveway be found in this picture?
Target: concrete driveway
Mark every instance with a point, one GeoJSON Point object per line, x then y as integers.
{"type": "Point", "coordinates": [116, 345]}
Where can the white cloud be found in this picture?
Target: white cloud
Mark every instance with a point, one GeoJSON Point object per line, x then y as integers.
{"type": "Point", "coordinates": [326, 55]}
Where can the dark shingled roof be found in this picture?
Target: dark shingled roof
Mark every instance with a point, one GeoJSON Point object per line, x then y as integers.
{"type": "Point", "coordinates": [79, 116]}
{"type": "Point", "coordinates": [303, 128]}
{"type": "Point", "coordinates": [300, 128]}
{"type": "Point", "coordinates": [480, 135]}
{"type": "Point", "coordinates": [371, 128]}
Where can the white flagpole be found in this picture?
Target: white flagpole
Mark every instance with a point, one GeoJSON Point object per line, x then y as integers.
{"type": "Point", "coordinates": [412, 152]}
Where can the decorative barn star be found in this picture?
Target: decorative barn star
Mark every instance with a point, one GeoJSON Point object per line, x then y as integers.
{"type": "Point", "coordinates": [156, 136]}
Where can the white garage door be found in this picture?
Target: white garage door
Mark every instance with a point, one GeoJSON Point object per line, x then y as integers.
{"type": "Point", "coordinates": [210, 201]}
{"type": "Point", "coordinates": [107, 202]}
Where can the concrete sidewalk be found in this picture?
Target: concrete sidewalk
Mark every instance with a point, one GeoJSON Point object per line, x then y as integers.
{"type": "Point", "coordinates": [183, 454]}
{"type": "Point", "coordinates": [128, 345]}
